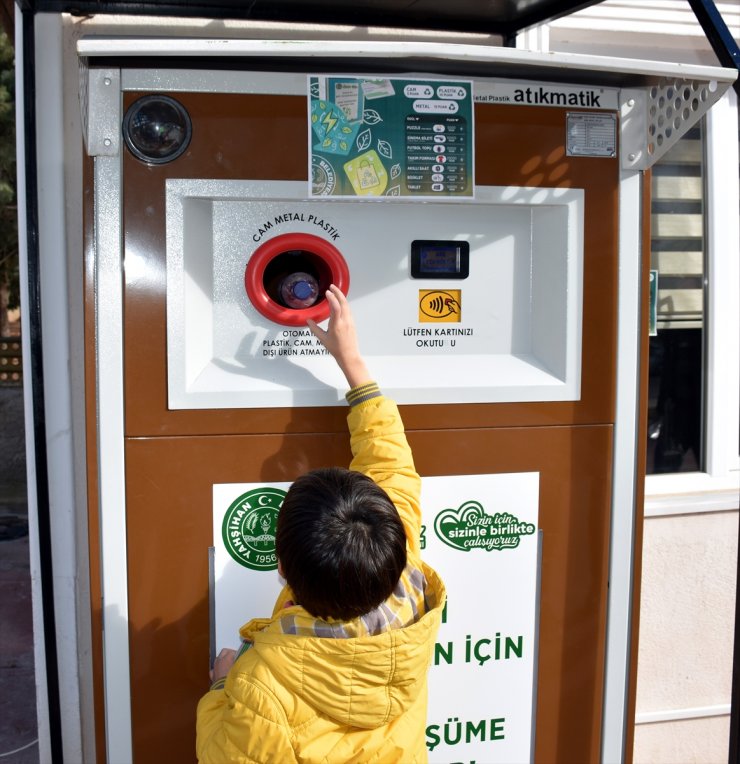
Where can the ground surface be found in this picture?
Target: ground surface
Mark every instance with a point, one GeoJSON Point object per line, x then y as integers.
{"type": "Point", "coordinates": [17, 683]}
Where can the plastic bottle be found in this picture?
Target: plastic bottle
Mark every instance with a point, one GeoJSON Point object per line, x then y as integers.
{"type": "Point", "coordinates": [299, 290]}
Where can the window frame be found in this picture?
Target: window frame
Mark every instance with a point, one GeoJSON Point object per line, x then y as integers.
{"type": "Point", "coordinates": [721, 327]}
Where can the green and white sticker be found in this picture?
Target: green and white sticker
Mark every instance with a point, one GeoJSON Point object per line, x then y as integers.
{"type": "Point", "coordinates": [470, 527]}
{"type": "Point", "coordinates": [249, 526]}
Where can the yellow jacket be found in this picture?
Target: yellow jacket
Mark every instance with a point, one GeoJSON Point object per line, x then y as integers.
{"type": "Point", "coordinates": [308, 699]}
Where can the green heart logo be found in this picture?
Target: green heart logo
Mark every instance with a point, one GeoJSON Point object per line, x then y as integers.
{"type": "Point", "coordinates": [470, 527]}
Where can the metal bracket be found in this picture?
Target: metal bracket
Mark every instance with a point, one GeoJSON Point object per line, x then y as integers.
{"type": "Point", "coordinates": [100, 105]}
{"type": "Point", "coordinates": [654, 118]}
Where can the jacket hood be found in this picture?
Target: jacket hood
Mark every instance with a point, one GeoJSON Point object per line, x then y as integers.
{"type": "Point", "coordinates": [361, 682]}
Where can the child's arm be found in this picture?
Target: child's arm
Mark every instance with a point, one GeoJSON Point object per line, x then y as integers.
{"type": "Point", "coordinates": [377, 436]}
{"type": "Point", "coordinates": [380, 451]}
{"type": "Point", "coordinates": [242, 722]}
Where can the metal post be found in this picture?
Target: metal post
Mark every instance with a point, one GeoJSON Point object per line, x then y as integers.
{"type": "Point", "coordinates": [32, 319]}
{"type": "Point", "coordinates": [722, 42]}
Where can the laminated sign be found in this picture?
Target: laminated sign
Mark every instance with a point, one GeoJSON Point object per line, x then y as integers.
{"type": "Point", "coordinates": [480, 533]}
{"type": "Point", "coordinates": [390, 137]}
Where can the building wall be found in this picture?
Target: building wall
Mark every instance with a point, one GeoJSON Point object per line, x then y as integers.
{"type": "Point", "coordinates": [686, 629]}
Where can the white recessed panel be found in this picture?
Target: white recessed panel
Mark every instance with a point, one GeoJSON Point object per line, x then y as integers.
{"type": "Point", "coordinates": [515, 334]}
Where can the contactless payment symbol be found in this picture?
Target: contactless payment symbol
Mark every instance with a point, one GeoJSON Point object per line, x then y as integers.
{"type": "Point", "coordinates": [249, 526]}
{"type": "Point", "coordinates": [440, 305]}
{"type": "Point", "coordinates": [470, 527]}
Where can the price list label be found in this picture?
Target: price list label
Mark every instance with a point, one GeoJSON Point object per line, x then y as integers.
{"type": "Point", "coordinates": [436, 154]}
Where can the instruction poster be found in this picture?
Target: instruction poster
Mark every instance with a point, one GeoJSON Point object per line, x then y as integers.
{"type": "Point", "coordinates": [390, 137]}
{"type": "Point", "coordinates": [480, 533]}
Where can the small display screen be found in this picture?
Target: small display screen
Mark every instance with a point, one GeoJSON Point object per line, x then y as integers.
{"type": "Point", "coordinates": [439, 259]}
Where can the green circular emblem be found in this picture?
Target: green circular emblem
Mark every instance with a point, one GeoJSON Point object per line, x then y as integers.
{"type": "Point", "coordinates": [323, 178]}
{"type": "Point", "coordinates": [249, 527]}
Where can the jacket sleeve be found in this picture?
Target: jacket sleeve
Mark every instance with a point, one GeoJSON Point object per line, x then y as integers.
{"type": "Point", "coordinates": [242, 724]}
{"type": "Point", "coordinates": [380, 451]}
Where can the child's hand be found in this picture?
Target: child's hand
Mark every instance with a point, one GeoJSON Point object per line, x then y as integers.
{"type": "Point", "coordinates": [340, 339]}
{"type": "Point", "coordinates": [223, 663]}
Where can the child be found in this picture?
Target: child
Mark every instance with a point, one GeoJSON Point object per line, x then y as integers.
{"type": "Point", "coordinates": [339, 673]}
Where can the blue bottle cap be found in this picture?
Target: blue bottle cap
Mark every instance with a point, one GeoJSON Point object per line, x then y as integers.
{"type": "Point", "coordinates": [302, 290]}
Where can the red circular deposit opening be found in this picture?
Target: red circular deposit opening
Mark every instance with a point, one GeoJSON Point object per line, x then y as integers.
{"type": "Point", "coordinates": [286, 273]}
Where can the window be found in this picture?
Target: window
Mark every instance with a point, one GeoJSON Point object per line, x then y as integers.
{"type": "Point", "coordinates": [675, 398]}
{"type": "Point", "coordinates": [693, 430]}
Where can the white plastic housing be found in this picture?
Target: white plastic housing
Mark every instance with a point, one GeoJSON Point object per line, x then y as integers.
{"type": "Point", "coordinates": [520, 322]}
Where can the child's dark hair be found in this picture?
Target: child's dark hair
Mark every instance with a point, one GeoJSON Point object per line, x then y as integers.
{"type": "Point", "coordinates": [341, 543]}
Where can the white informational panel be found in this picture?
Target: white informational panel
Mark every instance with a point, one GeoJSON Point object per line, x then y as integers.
{"type": "Point", "coordinates": [480, 533]}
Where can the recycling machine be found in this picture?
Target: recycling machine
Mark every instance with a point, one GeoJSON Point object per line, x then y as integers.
{"type": "Point", "coordinates": [485, 212]}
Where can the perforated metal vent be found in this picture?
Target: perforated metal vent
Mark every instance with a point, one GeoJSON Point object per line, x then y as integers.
{"type": "Point", "coordinates": [655, 117]}
{"type": "Point", "coordinates": [671, 107]}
